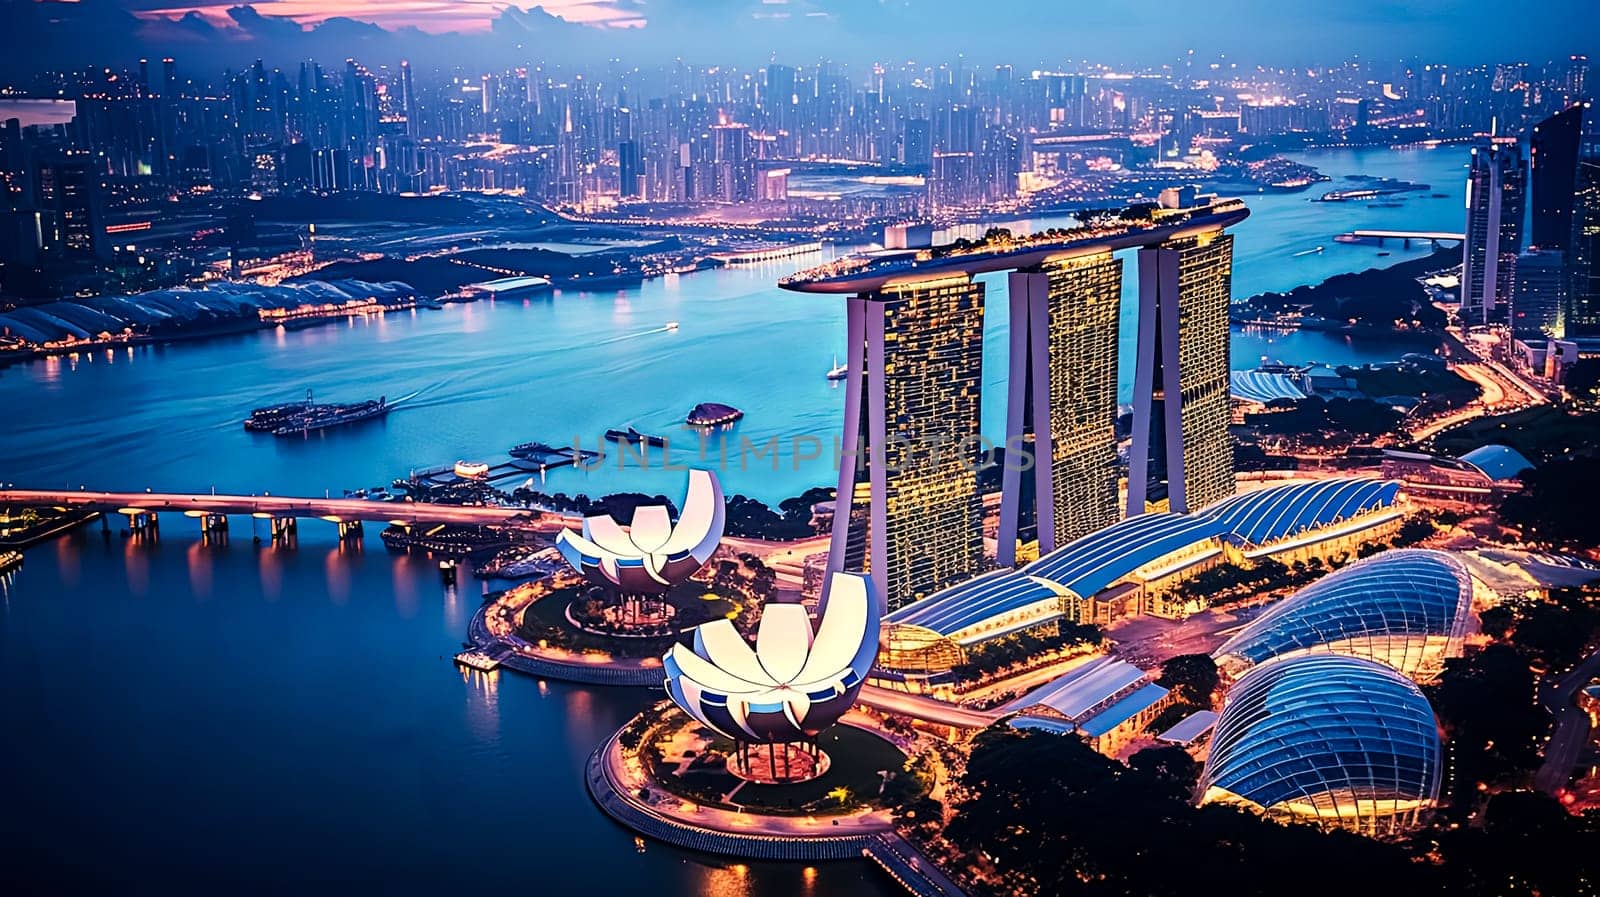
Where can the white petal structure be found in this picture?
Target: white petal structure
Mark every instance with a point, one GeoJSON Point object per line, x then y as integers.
{"type": "Point", "coordinates": [796, 682]}
{"type": "Point", "coordinates": [652, 554]}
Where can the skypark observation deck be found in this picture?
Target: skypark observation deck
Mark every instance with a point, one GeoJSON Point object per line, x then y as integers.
{"type": "Point", "coordinates": [1134, 228]}
{"type": "Point", "coordinates": [1131, 566]}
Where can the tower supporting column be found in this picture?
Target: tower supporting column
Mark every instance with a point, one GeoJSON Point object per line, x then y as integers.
{"type": "Point", "coordinates": [350, 529]}
{"type": "Point", "coordinates": [214, 527]}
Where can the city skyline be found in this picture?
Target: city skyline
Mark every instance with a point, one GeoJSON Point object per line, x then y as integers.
{"type": "Point", "coordinates": [96, 31]}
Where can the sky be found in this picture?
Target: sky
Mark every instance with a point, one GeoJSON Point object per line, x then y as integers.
{"type": "Point", "coordinates": [60, 33]}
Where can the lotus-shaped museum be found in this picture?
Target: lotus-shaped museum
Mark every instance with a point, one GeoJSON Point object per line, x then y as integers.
{"type": "Point", "coordinates": [795, 683]}
{"type": "Point", "coordinates": [652, 554]}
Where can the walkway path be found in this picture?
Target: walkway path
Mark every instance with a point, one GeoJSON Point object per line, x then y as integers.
{"type": "Point", "coordinates": [1561, 752]}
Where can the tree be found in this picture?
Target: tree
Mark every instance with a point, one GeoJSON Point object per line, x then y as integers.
{"type": "Point", "coordinates": [1485, 703]}
{"type": "Point", "coordinates": [1191, 678]}
{"type": "Point", "coordinates": [1583, 380]}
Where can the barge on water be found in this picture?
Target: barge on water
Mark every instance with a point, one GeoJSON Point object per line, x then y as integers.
{"type": "Point", "coordinates": [712, 414]}
{"type": "Point", "coordinates": [298, 418]}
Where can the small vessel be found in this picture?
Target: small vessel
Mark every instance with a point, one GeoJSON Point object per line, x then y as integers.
{"type": "Point", "coordinates": [713, 414]}
{"type": "Point", "coordinates": [10, 560]}
{"type": "Point", "coordinates": [1382, 254]}
{"type": "Point", "coordinates": [634, 437]}
{"type": "Point", "coordinates": [838, 371]}
{"type": "Point", "coordinates": [471, 470]}
{"type": "Point", "coordinates": [1309, 252]}
{"type": "Point", "coordinates": [672, 326]}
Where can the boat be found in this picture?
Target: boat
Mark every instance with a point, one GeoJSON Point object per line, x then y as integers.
{"type": "Point", "coordinates": [265, 420]}
{"type": "Point", "coordinates": [838, 371]}
{"type": "Point", "coordinates": [10, 560]}
{"type": "Point", "coordinates": [322, 417]}
{"type": "Point", "coordinates": [634, 437]}
{"type": "Point", "coordinates": [712, 414]}
{"type": "Point", "coordinates": [672, 326]}
{"type": "Point", "coordinates": [1382, 254]}
{"type": "Point", "coordinates": [1308, 252]}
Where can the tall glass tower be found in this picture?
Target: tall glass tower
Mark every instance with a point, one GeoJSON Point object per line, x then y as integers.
{"type": "Point", "coordinates": [1496, 200]}
{"type": "Point", "coordinates": [1180, 387]}
{"type": "Point", "coordinates": [914, 394]}
{"type": "Point", "coordinates": [1062, 402]}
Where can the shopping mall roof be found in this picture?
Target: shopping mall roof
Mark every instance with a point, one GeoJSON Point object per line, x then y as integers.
{"type": "Point", "coordinates": [986, 597]}
{"type": "Point", "coordinates": [1268, 515]}
{"type": "Point", "coordinates": [1099, 559]}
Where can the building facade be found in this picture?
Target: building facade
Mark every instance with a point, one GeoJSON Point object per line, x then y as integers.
{"type": "Point", "coordinates": [1062, 398]}
{"type": "Point", "coordinates": [914, 393]}
{"type": "Point", "coordinates": [1496, 202]}
{"type": "Point", "coordinates": [1181, 385]}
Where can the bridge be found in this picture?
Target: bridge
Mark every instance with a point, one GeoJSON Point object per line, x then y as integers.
{"type": "Point", "coordinates": [1405, 236]}
{"type": "Point", "coordinates": [142, 510]}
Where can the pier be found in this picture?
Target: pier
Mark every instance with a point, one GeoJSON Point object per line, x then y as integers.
{"type": "Point", "coordinates": [1404, 236]}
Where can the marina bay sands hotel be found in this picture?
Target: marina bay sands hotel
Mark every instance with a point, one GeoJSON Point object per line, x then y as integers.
{"type": "Point", "coordinates": [913, 390]}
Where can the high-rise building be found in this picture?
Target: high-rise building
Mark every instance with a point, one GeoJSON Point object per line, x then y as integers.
{"type": "Point", "coordinates": [1495, 207]}
{"type": "Point", "coordinates": [1582, 315]}
{"type": "Point", "coordinates": [912, 415]}
{"type": "Point", "coordinates": [1537, 304]}
{"type": "Point", "coordinates": [68, 189]}
{"type": "Point", "coordinates": [1180, 387]}
{"type": "Point", "coordinates": [408, 98]}
{"type": "Point", "coordinates": [1553, 170]}
{"type": "Point", "coordinates": [1062, 402]}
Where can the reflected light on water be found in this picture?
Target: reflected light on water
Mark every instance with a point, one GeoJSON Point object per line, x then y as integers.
{"type": "Point", "coordinates": [271, 574]}
{"type": "Point", "coordinates": [731, 881]}
{"type": "Point", "coordinates": [338, 576]}
{"type": "Point", "coordinates": [198, 559]}
{"type": "Point", "coordinates": [483, 702]}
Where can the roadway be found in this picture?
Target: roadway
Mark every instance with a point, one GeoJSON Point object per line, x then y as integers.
{"type": "Point", "coordinates": [1566, 744]}
{"type": "Point", "coordinates": [927, 709]}
{"type": "Point", "coordinates": [339, 509]}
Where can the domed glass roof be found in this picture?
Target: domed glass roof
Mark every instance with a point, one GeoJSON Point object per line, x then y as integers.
{"type": "Point", "coordinates": [1407, 609]}
{"type": "Point", "coordinates": [1336, 741]}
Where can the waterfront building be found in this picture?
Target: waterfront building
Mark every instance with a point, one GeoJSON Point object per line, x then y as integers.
{"type": "Point", "coordinates": [653, 554]}
{"type": "Point", "coordinates": [1107, 703]}
{"type": "Point", "coordinates": [1181, 385]}
{"type": "Point", "coordinates": [1062, 401]}
{"type": "Point", "coordinates": [796, 682]}
{"type": "Point", "coordinates": [1406, 609]}
{"type": "Point", "coordinates": [1496, 202]}
{"type": "Point", "coordinates": [913, 402]}
{"type": "Point", "coordinates": [914, 333]}
{"type": "Point", "coordinates": [1339, 742]}
{"type": "Point", "coordinates": [1553, 171]}
{"type": "Point", "coordinates": [1136, 566]}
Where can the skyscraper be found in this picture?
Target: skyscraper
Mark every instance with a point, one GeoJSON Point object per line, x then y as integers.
{"type": "Point", "coordinates": [1062, 397]}
{"type": "Point", "coordinates": [911, 406]}
{"type": "Point", "coordinates": [1553, 167]}
{"type": "Point", "coordinates": [408, 98]}
{"type": "Point", "coordinates": [1184, 289]}
{"type": "Point", "coordinates": [1495, 207]}
{"type": "Point", "coordinates": [1541, 286]}
{"type": "Point", "coordinates": [1582, 315]}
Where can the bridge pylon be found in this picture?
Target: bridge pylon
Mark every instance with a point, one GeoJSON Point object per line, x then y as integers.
{"type": "Point", "coordinates": [285, 531]}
